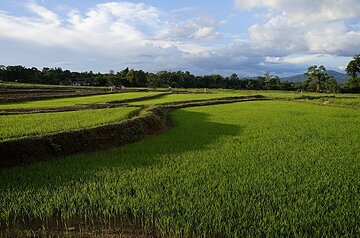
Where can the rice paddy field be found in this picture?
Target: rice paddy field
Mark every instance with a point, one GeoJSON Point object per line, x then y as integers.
{"type": "Point", "coordinates": [18, 126]}
{"type": "Point", "coordinates": [340, 100]}
{"type": "Point", "coordinates": [249, 169]}
{"type": "Point", "coordinates": [187, 97]}
{"type": "Point", "coordinates": [73, 101]}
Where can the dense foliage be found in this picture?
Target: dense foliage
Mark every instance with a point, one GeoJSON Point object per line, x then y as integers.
{"type": "Point", "coordinates": [353, 70]}
{"type": "Point", "coordinates": [139, 78]}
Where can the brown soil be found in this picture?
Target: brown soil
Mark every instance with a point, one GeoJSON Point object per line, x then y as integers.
{"type": "Point", "coordinates": [77, 229]}
{"type": "Point", "coordinates": [19, 93]}
{"type": "Point", "coordinates": [29, 93]}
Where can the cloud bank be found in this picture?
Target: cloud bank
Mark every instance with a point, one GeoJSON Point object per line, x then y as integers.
{"type": "Point", "coordinates": [291, 35]}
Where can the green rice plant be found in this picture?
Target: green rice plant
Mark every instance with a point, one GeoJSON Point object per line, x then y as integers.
{"type": "Point", "coordinates": [17, 126]}
{"type": "Point", "coordinates": [352, 101]}
{"type": "Point", "coordinates": [62, 102]}
{"type": "Point", "coordinates": [342, 100]}
{"type": "Point", "coordinates": [258, 169]}
{"type": "Point", "coordinates": [186, 97]}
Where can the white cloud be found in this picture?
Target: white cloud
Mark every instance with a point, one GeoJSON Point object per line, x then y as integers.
{"type": "Point", "coordinates": [103, 28]}
{"type": "Point", "coordinates": [331, 61]}
{"type": "Point", "coordinates": [199, 28]}
{"type": "Point", "coordinates": [45, 14]}
{"type": "Point", "coordinates": [308, 26]}
{"type": "Point", "coordinates": [307, 9]}
{"type": "Point", "coordinates": [206, 33]}
{"type": "Point", "coordinates": [111, 32]}
{"type": "Point", "coordinates": [138, 35]}
{"type": "Point", "coordinates": [114, 28]}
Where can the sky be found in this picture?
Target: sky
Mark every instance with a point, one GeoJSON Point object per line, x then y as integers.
{"type": "Point", "coordinates": [246, 37]}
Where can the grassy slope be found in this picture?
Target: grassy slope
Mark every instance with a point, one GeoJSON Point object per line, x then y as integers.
{"type": "Point", "coordinates": [247, 169]}
{"type": "Point", "coordinates": [16, 126]}
{"type": "Point", "coordinates": [61, 102]}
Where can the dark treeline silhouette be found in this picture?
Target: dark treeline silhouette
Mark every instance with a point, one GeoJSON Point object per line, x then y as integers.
{"type": "Point", "coordinates": [164, 79]}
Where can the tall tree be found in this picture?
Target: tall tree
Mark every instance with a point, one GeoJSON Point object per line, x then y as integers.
{"type": "Point", "coordinates": [318, 75]}
{"type": "Point", "coordinates": [271, 81]}
{"type": "Point", "coordinates": [267, 76]}
{"type": "Point", "coordinates": [153, 81]}
{"type": "Point", "coordinates": [353, 67]}
{"type": "Point", "coordinates": [331, 85]}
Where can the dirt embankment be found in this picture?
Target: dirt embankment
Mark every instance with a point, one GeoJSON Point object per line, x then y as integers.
{"type": "Point", "coordinates": [20, 93]}
{"type": "Point", "coordinates": [152, 121]}
{"type": "Point", "coordinates": [26, 93]}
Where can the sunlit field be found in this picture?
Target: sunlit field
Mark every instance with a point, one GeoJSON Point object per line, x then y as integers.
{"type": "Point", "coordinates": [17, 126]}
{"type": "Point", "coordinates": [271, 168]}
{"type": "Point", "coordinates": [62, 102]}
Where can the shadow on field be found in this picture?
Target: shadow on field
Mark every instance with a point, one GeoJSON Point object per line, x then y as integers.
{"type": "Point", "coordinates": [193, 131]}
{"type": "Point", "coordinates": [74, 176]}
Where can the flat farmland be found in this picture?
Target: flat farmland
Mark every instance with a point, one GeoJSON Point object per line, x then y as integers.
{"type": "Point", "coordinates": [265, 168]}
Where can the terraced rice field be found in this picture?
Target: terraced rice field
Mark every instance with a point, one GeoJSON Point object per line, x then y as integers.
{"type": "Point", "coordinates": [18, 126]}
{"type": "Point", "coordinates": [63, 102]}
{"type": "Point", "coordinates": [186, 97]}
{"type": "Point", "coordinates": [267, 168]}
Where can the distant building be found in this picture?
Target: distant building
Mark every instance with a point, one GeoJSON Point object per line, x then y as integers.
{"type": "Point", "coordinates": [79, 83]}
{"type": "Point", "coordinates": [115, 88]}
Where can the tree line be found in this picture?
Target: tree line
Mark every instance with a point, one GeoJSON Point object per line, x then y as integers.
{"type": "Point", "coordinates": [317, 79]}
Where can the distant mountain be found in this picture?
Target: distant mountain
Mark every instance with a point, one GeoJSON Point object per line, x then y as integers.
{"type": "Point", "coordinates": [340, 77]}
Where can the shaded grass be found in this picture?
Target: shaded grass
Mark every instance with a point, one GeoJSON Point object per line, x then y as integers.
{"type": "Point", "coordinates": [228, 170]}
{"type": "Point", "coordinates": [62, 102]}
{"type": "Point", "coordinates": [17, 126]}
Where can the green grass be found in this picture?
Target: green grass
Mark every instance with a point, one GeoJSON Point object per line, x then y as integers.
{"type": "Point", "coordinates": [328, 99]}
{"type": "Point", "coordinates": [62, 102]}
{"type": "Point", "coordinates": [340, 100]}
{"type": "Point", "coordinates": [16, 126]}
{"type": "Point", "coordinates": [186, 97]}
{"type": "Point", "coordinates": [245, 169]}
{"type": "Point", "coordinates": [351, 101]}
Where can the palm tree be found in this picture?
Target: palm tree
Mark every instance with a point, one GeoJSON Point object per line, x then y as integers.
{"type": "Point", "coordinates": [268, 76]}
